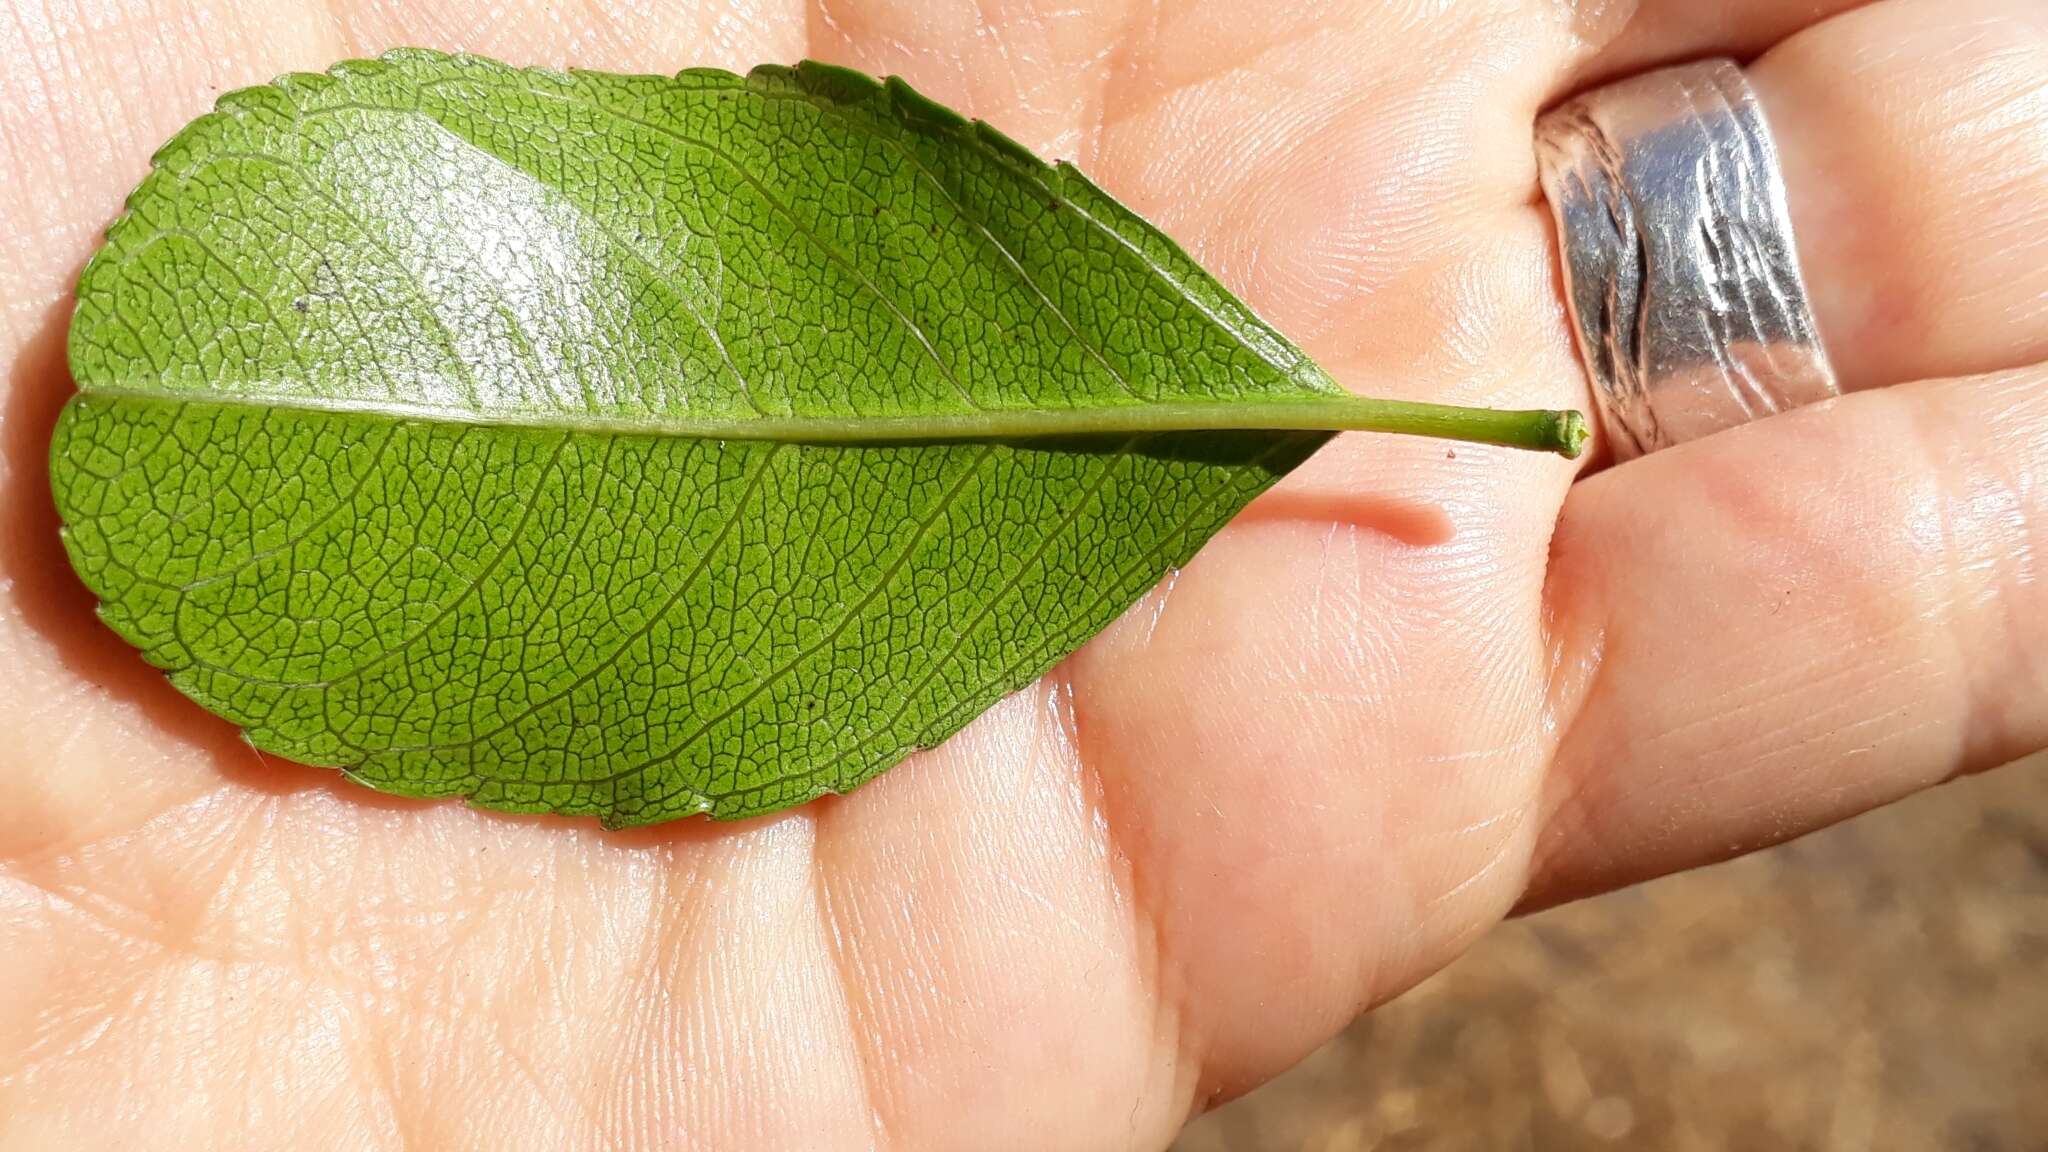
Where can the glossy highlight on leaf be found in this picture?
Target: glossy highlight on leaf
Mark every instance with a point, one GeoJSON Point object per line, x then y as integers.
{"type": "Point", "coordinates": [646, 446]}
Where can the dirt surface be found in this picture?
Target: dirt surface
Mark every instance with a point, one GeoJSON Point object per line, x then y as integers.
{"type": "Point", "coordinates": [1881, 985]}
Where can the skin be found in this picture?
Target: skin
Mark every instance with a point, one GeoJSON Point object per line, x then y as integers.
{"type": "Point", "coordinates": [1415, 689]}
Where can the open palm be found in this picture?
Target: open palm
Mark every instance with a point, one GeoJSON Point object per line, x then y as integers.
{"type": "Point", "coordinates": [1411, 689]}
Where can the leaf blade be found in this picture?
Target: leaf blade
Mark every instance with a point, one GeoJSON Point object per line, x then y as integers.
{"type": "Point", "coordinates": [641, 446]}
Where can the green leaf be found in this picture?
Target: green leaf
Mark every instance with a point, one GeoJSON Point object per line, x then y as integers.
{"type": "Point", "coordinates": [645, 446]}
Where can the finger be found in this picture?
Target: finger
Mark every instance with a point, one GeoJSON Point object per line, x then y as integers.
{"type": "Point", "coordinates": [1617, 37]}
{"type": "Point", "coordinates": [983, 868]}
{"type": "Point", "coordinates": [1309, 748]}
{"type": "Point", "coordinates": [1780, 626]}
{"type": "Point", "coordinates": [1914, 139]}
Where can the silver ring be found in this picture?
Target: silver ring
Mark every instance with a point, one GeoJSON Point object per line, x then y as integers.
{"type": "Point", "coordinates": [1679, 271]}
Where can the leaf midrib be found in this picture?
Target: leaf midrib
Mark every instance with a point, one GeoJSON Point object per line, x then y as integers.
{"type": "Point", "coordinates": [1333, 413]}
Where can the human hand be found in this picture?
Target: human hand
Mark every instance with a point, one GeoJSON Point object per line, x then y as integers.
{"type": "Point", "coordinates": [1414, 688]}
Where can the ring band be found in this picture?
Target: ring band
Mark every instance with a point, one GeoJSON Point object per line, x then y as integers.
{"type": "Point", "coordinates": [1679, 270]}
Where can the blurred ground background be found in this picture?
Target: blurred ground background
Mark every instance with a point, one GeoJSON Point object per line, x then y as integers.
{"type": "Point", "coordinates": [1881, 985]}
